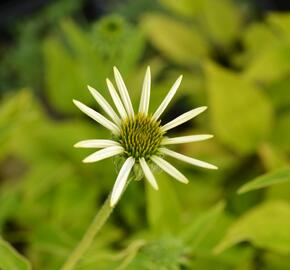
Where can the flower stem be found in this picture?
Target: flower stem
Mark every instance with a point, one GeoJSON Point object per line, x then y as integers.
{"type": "Point", "coordinates": [98, 222]}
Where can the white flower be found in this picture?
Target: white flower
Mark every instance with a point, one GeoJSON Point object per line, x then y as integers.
{"type": "Point", "coordinates": [138, 137]}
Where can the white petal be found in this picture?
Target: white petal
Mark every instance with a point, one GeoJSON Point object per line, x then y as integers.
{"type": "Point", "coordinates": [105, 105]}
{"type": "Point", "coordinates": [96, 143]}
{"type": "Point", "coordinates": [148, 174]}
{"type": "Point", "coordinates": [116, 99]}
{"type": "Point", "coordinates": [123, 92]}
{"type": "Point", "coordinates": [167, 99]}
{"type": "Point", "coordinates": [187, 159]}
{"type": "Point", "coordinates": [97, 117]}
{"type": "Point", "coordinates": [145, 96]}
{"type": "Point", "coordinates": [168, 168]}
{"type": "Point", "coordinates": [104, 153]}
{"type": "Point", "coordinates": [121, 180]}
{"type": "Point", "coordinates": [183, 118]}
{"type": "Point", "coordinates": [186, 139]}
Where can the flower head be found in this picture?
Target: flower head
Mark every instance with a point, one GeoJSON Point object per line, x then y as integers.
{"type": "Point", "coordinates": [138, 137]}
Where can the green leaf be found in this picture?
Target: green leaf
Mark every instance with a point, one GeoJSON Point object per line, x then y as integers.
{"type": "Point", "coordinates": [132, 52]}
{"type": "Point", "coordinates": [186, 8]}
{"type": "Point", "coordinates": [87, 57]}
{"type": "Point", "coordinates": [163, 209]}
{"type": "Point", "coordinates": [271, 158]}
{"type": "Point", "coordinates": [281, 23]}
{"type": "Point", "coordinates": [167, 253]}
{"type": "Point", "coordinates": [195, 233]}
{"type": "Point", "coordinates": [78, 40]}
{"type": "Point", "coordinates": [278, 92]}
{"type": "Point", "coordinates": [267, 48]}
{"type": "Point", "coordinates": [215, 221]}
{"type": "Point", "coordinates": [266, 180]}
{"type": "Point", "coordinates": [221, 21]}
{"type": "Point", "coordinates": [10, 259]}
{"type": "Point", "coordinates": [241, 115]}
{"type": "Point", "coordinates": [174, 39]}
{"type": "Point", "coordinates": [15, 111]}
{"type": "Point", "coordinates": [9, 203]}
{"type": "Point", "coordinates": [64, 79]}
{"type": "Point", "coordinates": [281, 132]}
{"type": "Point", "coordinates": [276, 261]}
{"type": "Point", "coordinates": [257, 37]}
{"type": "Point", "coordinates": [119, 43]}
{"type": "Point", "coordinates": [266, 226]}
{"type": "Point", "coordinates": [269, 64]}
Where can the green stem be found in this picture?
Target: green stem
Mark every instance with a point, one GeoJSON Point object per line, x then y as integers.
{"type": "Point", "coordinates": [89, 235]}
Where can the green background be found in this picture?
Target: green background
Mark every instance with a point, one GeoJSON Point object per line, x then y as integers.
{"type": "Point", "coordinates": [233, 60]}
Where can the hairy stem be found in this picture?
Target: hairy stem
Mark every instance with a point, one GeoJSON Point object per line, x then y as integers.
{"type": "Point", "coordinates": [98, 222]}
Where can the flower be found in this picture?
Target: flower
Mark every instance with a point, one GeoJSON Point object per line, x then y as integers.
{"type": "Point", "coordinates": [139, 138]}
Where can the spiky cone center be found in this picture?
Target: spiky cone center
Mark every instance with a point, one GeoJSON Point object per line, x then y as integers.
{"type": "Point", "coordinates": [140, 136]}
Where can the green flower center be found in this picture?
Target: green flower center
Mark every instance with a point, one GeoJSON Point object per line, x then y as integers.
{"type": "Point", "coordinates": [140, 136]}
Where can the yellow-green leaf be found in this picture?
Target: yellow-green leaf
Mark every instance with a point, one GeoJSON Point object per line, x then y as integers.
{"type": "Point", "coordinates": [269, 64]}
{"type": "Point", "coordinates": [266, 226]}
{"type": "Point", "coordinates": [221, 20]}
{"type": "Point", "coordinates": [163, 209]}
{"type": "Point", "coordinates": [10, 259]}
{"type": "Point", "coordinates": [269, 179]}
{"type": "Point", "coordinates": [178, 41]}
{"type": "Point", "coordinates": [64, 79]}
{"type": "Point", "coordinates": [240, 112]}
{"type": "Point", "coordinates": [196, 233]}
{"type": "Point", "coordinates": [281, 23]}
{"type": "Point", "coordinates": [186, 8]}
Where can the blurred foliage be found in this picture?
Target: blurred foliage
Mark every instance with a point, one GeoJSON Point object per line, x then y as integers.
{"type": "Point", "coordinates": [235, 64]}
{"type": "Point", "coordinates": [10, 259]}
{"type": "Point", "coordinates": [259, 226]}
{"type": "Point", "coordinates": [21, 63]}
{"type": "Point", "coordinates": [86, 58]}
